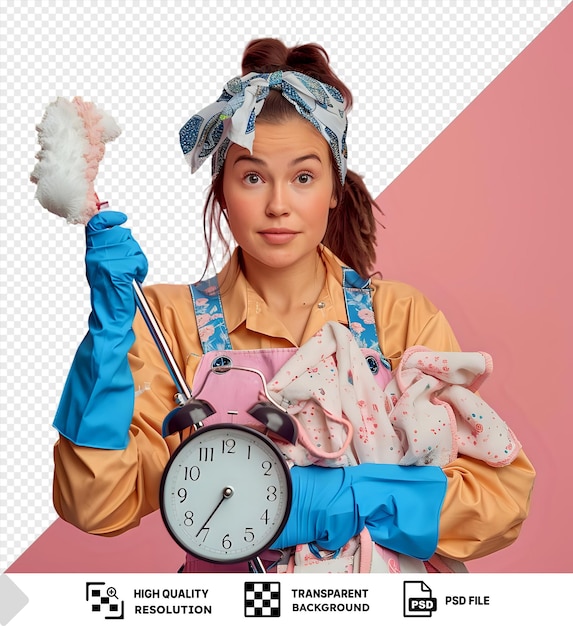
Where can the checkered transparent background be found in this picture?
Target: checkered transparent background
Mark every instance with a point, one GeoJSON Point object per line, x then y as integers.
{"type": "Point", "coordinates": [412, 67]}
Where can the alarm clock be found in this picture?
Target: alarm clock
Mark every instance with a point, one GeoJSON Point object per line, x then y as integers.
{"type": "Point", "coordinates": [226, 493]}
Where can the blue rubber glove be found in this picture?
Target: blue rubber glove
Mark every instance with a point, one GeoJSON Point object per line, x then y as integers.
{"type": "Point", "coordinates": [96, 406]}
{"type": "Point", "coordinates": [399, 505]}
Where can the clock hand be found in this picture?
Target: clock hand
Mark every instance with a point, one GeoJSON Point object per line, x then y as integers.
{"type": "Point", "coordinates": [227, 493]}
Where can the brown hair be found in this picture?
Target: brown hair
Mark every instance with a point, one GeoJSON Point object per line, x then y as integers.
{"type": "Point", "coordinates": [351, 230]}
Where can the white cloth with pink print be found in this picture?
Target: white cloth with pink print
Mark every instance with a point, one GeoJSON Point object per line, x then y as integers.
{"type": "Point", "coordinates": [427, 414]}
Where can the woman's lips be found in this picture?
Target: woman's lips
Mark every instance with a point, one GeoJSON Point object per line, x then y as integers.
{"type": "Point", "coordinates": [277, 236]}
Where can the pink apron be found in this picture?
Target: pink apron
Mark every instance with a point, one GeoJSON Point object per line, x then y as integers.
{"type": "Point", "coordinates": [233, 392]}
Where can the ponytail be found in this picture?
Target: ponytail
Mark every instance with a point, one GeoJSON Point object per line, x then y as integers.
{"type": "Point", "coordinates": [351, 229]}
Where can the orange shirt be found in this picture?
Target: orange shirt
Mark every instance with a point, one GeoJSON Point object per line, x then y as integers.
{"type": "Point", "coordinates": [108, 491]}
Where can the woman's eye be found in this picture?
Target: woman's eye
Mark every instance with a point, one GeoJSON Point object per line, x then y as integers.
{"type": "Point", "coordinates": [252, 179]}
{"type": "Point", "coordinates": [304, 178]}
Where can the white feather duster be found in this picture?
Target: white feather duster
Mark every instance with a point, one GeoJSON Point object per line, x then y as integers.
{"type": "Point", "coordinates": [72, 136]}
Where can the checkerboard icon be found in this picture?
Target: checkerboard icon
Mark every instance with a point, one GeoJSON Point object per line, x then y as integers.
{"type": "Point", "coordinates": [262, 599]}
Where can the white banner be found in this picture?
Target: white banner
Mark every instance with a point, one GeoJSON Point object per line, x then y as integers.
{"type": "Point", "coordinates": [171, 599]}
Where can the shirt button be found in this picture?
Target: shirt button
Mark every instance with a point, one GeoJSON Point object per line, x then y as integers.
{"type": "Point", "coordinates": [321, 305]}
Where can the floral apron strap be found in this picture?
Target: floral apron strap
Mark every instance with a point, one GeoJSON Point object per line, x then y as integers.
{"type": "Point", "coordinates": [360, 312]}
{"type": "Point", "coordinates": [209, 315]}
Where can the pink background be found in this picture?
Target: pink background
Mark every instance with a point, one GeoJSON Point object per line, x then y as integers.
{"type": "Point", "coordinates": [481, 223]}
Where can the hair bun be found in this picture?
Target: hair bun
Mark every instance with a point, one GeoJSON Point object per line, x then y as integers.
{"type": "Point", "coordinates": [271, 55]}
{"type": "Point", "coordinates": [264, 55]}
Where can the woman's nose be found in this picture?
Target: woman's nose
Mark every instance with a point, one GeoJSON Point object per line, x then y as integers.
{"type": "Point", "coordinates": [278, 201]}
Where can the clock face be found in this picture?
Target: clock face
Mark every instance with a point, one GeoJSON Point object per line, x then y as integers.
{"type": "Point", "coordinates": [226, 493]}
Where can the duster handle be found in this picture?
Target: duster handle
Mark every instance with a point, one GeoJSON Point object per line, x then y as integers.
{"type": "Point", "coordinates": [161, 343]}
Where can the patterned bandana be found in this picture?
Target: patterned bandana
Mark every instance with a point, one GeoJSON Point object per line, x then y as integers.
{"type": "Point", "coordinates": [232, 117]}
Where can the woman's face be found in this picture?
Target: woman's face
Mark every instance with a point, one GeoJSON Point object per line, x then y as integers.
{"type": "Point", "coordinates": [278, 198]}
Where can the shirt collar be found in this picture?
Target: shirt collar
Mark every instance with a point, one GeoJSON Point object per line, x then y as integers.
{"type": "Point", "coordinates": [242, 304]}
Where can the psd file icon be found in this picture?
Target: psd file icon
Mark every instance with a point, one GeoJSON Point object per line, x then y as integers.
{"type": "Point", "coordinates": [418, 599]}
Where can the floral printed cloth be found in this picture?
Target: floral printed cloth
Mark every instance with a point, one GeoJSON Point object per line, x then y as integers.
{"type": "Point", "coordinates": [426, 415]}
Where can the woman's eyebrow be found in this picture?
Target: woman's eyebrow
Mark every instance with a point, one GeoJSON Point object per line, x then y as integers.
{"type": "Point", "coordinates": [312, 155]}
{"type": "Point", "coordinates": [249, 158]}
{"type": "Point", "coordinates": [258, 161]}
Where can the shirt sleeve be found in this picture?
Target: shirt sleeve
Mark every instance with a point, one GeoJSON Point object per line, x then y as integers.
{"type": "Point", "coordinates": [106, 492]}
{"type": "Point", "coordinates": [484, 506]}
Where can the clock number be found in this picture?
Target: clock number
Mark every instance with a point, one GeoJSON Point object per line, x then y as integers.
{"type": "Point", "coordinates": [265, 516]}
{"type": "Point", "coordinates": [226, 543]}
{"type": "Point", "coordinates": [206, 454]}
{"type": "Point", "coordinates": [267, 466]}
{"type": "Point", "coordinates": [228, 446]}
{"type": "Point", "coordinates": [182, 493]}
{"type": "Point", "coordinates": [271, 493]}
{"type": "Point", "coordinates": [192, 473]}
{"type": "Point", "coordinates": [188, 521]}
{"type": "Point", "coordinates": [205, 529]}
{"type": "Point", "coordinates": [249, 535]}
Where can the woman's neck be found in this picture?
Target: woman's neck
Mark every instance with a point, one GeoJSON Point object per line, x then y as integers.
{"type": "Point", "coordinates": [287, 290]}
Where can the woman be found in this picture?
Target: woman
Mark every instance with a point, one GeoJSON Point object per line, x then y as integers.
{"type": "Point", "coordinates": [277, 139]}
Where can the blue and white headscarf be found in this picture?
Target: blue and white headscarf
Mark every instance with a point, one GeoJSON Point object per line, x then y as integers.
{"type": "Point", "coordinates": [232, 117]}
